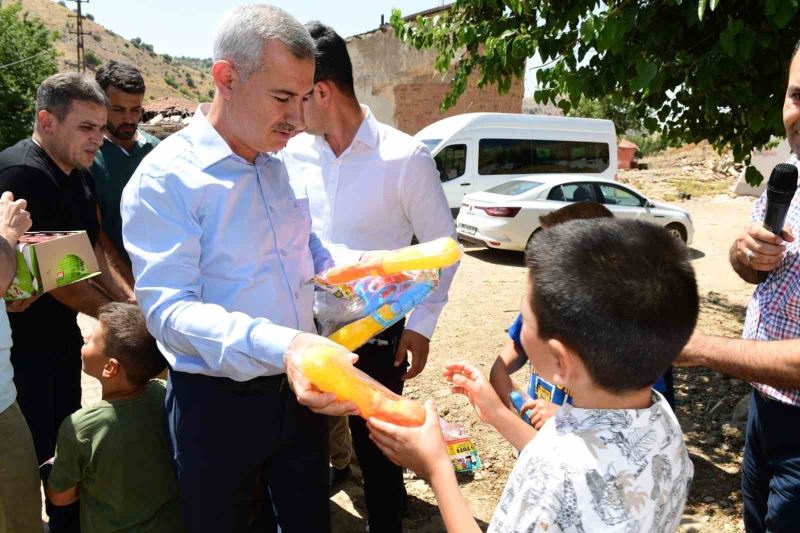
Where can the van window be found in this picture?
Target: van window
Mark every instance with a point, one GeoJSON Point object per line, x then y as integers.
{"type": "Point", "coordinates": [573, 192]}
{"type": "Point", "coordinates": [533, 156]}
{"type": "Point", "coordinates": [451, 161]}
{"type": "Point", "coordinates": [513, 187]}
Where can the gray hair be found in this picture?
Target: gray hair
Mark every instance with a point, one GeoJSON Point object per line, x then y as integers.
{"type": "Point", "coordinates": [57, 92]}
{"type": "Point", "coordinates": [242, 33]}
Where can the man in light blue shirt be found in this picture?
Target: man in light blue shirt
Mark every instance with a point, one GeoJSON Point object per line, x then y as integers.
{"type": "Point", "coordinates": [20, 500]}
{"type": "Point", "coordinates": [222, 252]}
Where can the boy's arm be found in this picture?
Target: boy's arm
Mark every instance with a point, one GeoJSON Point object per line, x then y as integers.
{"type": "Point", "coordinates": [64, 497]}
{"type": "Point", "coordinates": [469, 381]}
{"type": "Point", "coordinates": [422, 449]}
{"type": "Point", "coordinates": [508, 362]}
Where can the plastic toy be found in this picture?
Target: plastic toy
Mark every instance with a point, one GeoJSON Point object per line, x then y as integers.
{"type": "Point", "coordinates": [517, 400]}
{"type": "Point", "coordinates": [434, 254]}
{"type": "Point", "coordinates": [329, 369]}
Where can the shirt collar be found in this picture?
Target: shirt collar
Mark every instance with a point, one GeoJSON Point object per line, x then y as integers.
{"type": "Point", "coordinates": [210, 147]}
{"type": "Point", "coordinates": [367, 133]}
{"type": "Point", "coordinates": [139, 142]}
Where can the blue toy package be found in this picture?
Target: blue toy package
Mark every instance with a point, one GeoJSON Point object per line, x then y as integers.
{"type": "Point", "coordinates": [518, 400]}
{"type": "Point", "coordinates": [542, 389]}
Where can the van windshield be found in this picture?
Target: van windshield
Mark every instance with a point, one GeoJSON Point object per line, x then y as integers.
{"type": "Point", "coordinates": [513, 187]}
{"type": "Point", "coordinates": [431, 143]}
{"type": "Point", "coordinates": [534, 156]}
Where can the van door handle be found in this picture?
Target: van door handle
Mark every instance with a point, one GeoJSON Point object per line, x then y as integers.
{"type": "Point", "coordinates": [465, 184]}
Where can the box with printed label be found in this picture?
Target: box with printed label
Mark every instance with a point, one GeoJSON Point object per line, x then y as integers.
{"type": "Point", "coordinates": [48, 260]}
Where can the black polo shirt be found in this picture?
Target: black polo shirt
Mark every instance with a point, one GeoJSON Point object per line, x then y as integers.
{"type": "Point", "coordinates": [56, 202]}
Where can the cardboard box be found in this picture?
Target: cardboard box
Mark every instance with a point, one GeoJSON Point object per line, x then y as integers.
{"type": "Point", "coordinates": [48, 260]}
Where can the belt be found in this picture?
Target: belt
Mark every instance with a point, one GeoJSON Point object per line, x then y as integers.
{"type": "Point", "coordinates": [257, 385]}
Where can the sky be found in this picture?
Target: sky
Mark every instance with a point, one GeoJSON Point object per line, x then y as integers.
{"type": "Point", "coordinates": [185, 27]}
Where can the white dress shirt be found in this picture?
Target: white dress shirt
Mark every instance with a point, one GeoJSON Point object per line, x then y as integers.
{"type": "Point", "coordinates": [380, 192]}
{"type": "Point", "coordinates": [222, 251]}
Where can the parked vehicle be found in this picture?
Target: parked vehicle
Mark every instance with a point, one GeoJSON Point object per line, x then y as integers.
{"type": "Point", "coordinates": [507, 215]}
{"type": "Point", "coordinates": [475, 151]}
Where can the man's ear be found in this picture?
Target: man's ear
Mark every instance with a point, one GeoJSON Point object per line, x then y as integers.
{"type": "Point", "coordinates": [46, 121]}
{"type": "Point", "coordinates": [563, 361]}
{"type": "Point", "coordinates": [322, 93]}
{"type": "Point", "coordinates": [225, 76]}
{"type": "Point", "coordinates": [111, 368]}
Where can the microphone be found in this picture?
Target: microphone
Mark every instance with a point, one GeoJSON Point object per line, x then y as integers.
{"type": "Point", "coordinates": [780, 190]}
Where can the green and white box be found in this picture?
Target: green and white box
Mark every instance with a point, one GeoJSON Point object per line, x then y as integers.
{"type": "Point", "coordinates": [48, 260]}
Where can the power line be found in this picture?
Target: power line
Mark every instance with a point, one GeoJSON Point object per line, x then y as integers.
{"type": "Point", "coordinates": [24, 59]}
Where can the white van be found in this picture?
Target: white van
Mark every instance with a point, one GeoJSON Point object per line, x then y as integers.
{"type": "Point", "coordinates": [475, 151]}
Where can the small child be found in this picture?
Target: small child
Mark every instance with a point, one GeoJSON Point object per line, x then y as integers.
{"type": "Point", "coordinates": [114, 455]}
{"type": "Point", "coordinates": [543, 398]}
{"type": "Point", "coordinates": [608, 307]}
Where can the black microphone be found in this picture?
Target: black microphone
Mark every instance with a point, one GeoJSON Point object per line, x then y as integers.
{"type": "Point", "coordinates": [780, 191]}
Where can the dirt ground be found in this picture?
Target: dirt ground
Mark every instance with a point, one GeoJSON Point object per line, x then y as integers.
{"type": "Point", "coordinates": [485, 298]}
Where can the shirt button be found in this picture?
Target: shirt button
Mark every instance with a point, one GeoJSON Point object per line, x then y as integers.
{"type": "Point", "coordinates": [297, 296]}
{"type": "Point", "coordinates": [283, 253]}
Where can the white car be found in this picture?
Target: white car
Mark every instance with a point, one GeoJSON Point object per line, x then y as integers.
{"type": "Point", "coordinates": [507, 215]}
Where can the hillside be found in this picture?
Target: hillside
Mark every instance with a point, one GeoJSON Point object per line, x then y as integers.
{"type": "Point", "coordinates": [164, 76]}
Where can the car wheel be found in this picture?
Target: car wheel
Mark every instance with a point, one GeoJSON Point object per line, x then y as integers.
{"type": "Point", "coordinates": [677, 231]}
{"type": "Point", "coordinates": [530, 239]}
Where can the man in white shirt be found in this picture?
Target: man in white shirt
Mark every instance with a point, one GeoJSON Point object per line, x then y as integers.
{"type": "Point", "coordinates": [371, 187]}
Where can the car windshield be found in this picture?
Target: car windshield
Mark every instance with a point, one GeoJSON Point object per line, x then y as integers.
{"type": "Point", "coordinates": [431, 143]}
{"type": "Point", "coordinates": [514, 187]}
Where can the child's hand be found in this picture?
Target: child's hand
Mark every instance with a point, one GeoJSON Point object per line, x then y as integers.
{"type": "Point", "coordinates": [422, 449]}
{"type": "Point", "coordinates": [539, 411]}
{"type": "Point", "coordinates": [469, 381]}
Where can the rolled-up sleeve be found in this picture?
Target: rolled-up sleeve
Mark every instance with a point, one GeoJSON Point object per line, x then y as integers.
{"type": "Point", "coordinates": [163, 234]}
{"type": "Point", "coordinates": [426, 207]}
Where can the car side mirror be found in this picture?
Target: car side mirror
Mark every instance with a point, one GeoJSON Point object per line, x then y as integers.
{"type": "Point", "coordinates": [648, 203]}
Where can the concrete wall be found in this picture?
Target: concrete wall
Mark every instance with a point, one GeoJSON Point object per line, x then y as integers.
{"type": "Point", "coordinates": [403, 89]}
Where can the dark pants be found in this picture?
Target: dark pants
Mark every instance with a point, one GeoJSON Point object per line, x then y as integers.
{"type": "Point", "coordinates": [771, 467]}
{"type": "Point", "coordinates": [227, 437]}
{"type": "Point", "coordinates": [48, 381]}
{"type": "Point", "coordinates": [384, 490]}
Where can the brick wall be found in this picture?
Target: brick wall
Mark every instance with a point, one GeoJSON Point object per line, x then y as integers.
{"type": "Point", "coordinates": [416, 104]}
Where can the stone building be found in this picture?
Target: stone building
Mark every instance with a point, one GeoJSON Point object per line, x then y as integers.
{"type": "Point", "coordinates": [402, 87]}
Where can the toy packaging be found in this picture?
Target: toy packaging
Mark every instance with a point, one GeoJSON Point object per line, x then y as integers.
{"type": "Point", "coordinates": [48, 260]}
{"type": "Point", "coordinates": [462, 452]}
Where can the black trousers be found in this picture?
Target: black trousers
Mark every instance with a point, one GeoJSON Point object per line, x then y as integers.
{"type": "Point", "coordinates": [47, 375]}
{"type": "Point", "coordinates": [384, 490]}
{"type": "Point", "coordinates": [227, 436]}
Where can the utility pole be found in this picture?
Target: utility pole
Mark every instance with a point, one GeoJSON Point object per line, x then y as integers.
{"type": "Point", "coordinates": [79, 33]}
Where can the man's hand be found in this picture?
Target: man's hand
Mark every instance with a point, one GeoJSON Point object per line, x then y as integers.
{"type": "Point", "coordinates": [469, 381]}
{"type": "Point", "coordinates": [539, 411]}
{"type": "Point", "coordinates": [324, 403]}
{"type": "Point", "coordinates": [14, 220]}
{"type": "Point", "coordinates": [18, 306]}
{"type": "Point", "coordinates": [759, 248]}
{"type": "Point", "coordinates": [419, 346]}
{"type": "Point", "coordinates": [422, 449]}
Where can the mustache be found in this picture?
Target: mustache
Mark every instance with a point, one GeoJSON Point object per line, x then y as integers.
{"type": "Point", "coordinates": [285, 127]}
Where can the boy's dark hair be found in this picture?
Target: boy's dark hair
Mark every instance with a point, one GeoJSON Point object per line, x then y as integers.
{"type": "Point", "coordinates": [620, 293]}
{"type": "Point", "coordinates": [576, 211]}
{"type": "Point", "coordinates": [127, 340]}
{"type": "Point", "coordinates": [123, 76]}
{"type": "Point", "coordinates": [332, 61]}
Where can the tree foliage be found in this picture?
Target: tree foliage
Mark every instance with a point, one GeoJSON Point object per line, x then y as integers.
{"type": "Point", "coordinates": [692, 69]}
{"type": "Point", "coordinates": [27, 57]}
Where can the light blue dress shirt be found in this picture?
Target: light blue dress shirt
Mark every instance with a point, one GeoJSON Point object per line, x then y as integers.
{"type": "Point", "coordinates": [8, 392]}
{"type": "Point", "coordinates": [222, 251]}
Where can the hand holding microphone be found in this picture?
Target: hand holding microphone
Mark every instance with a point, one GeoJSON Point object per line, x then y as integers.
{"type": "Point", "coordinates": [761, 246]}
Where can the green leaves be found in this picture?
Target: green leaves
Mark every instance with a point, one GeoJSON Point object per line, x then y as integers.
{"type": "Point", "coordinates": [691, 69]}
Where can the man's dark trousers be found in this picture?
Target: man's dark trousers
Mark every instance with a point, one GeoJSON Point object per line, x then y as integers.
{"type": "Point", "coordinates": [47, 375]}
{"type": "Point", "coordinates": [384, 490]}
{"type": "Point", "coordinates": [225, 435]}
{"type": "Point", "coordinates": [771, 467]}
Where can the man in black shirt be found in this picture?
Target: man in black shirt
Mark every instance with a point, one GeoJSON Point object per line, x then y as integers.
{"type": "Point", "coordinates": [50, 172]}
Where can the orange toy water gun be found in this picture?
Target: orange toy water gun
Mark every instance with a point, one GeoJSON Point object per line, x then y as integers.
{"type": "Point", "coordinates": [434, 254]}
{"type": "Point", "coordinates": [329, 369]}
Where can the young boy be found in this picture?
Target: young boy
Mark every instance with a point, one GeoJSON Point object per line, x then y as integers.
{"type": "Point", "coordinates": [608, 307]}
{"type": "Point", "coordinates": [114, 455]}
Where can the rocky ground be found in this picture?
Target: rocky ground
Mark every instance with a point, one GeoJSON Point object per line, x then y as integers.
{"type": "Point", "coordinates": [485, 298]}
